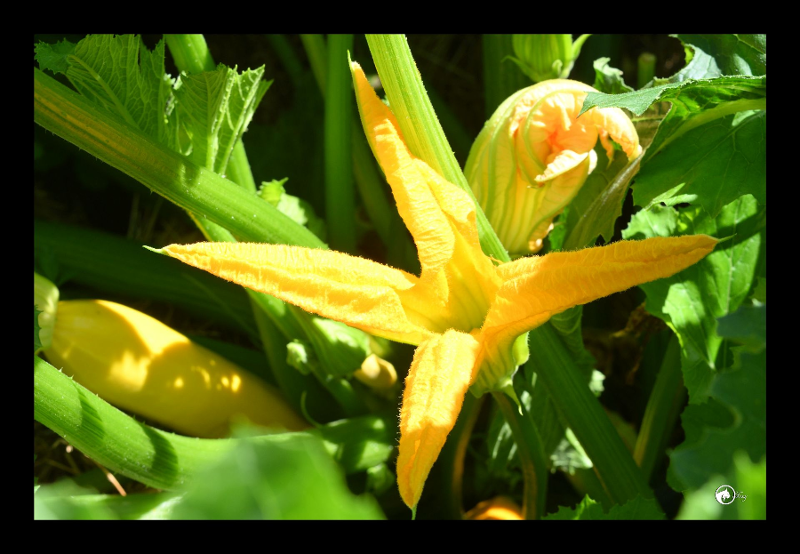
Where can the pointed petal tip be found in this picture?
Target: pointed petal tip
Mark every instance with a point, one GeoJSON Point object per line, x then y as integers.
{"type": "Point", "coordinates": [439, 377]}
{"type": "Point", "coordinates": [162, 251]}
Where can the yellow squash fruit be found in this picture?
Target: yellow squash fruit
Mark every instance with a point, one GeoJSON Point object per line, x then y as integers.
{"type": "Point", "coordinates": [141, 365]}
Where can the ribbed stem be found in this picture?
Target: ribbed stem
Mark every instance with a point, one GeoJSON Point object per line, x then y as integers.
{"type": "Point", "coordinates": [580, 409]}
{"type": "Point", "coordinates": [661, 412]}
{"type": "Point", "coordinates": [93, 258]}
{"type": "Point", "coordinates": [203, 192]}
{"type": "Point", "coordinates": [531, 456]}
{"type": "Point", "coordinates": [167, 461]}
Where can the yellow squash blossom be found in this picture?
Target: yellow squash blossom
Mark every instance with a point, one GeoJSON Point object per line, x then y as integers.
{"type": "Point", "coordinates": [463, 312]}
{"type": "Point", "coordinates": [534, 154]}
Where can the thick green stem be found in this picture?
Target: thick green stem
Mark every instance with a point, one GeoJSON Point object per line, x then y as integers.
{"type": "Point", "coordinates": [340, 207]}
{"type": "Point", "coordinates": [196, 189]}
{"type": "Point", "coordinates": [661, 413]}
{"type": "Point", "coordinates": [531, 456]}
{"type": "Point", "coordinates": [580, 409]}
{"type": "Point", "coordinates": [93, 259]}
{"type": "Point", "coordinates": [190, 53]}
{"type": "Point", "coordinates": [167, 461]}
{"type": "Point", "coordinates": [115, 440]}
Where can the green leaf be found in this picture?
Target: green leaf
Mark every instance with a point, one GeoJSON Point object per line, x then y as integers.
{"type": "Point", "coordinates": [294, 207]}
{"type": "Point", "coordinates": [710, 144]}
{"type": "Point", "coordinates": [360, 443]}
{"type": "Point", "coordinates": [712, 438]}
{"type": "Point", "coordinates": [53, 57]}
{"type": "Point", "coordinates": [588, 509]}
{"type": "Point", "coordinates": [727, 54]}
{"type": "Point", "coordinates": [70, 504]}
{"type": "Point", "coordinates": [747, 326]}
{"type": "Point", "coordinates": [303, 213]}
{"type": "Point", "coordinates": [215, 108]}
{"type": "Point", "coordinates": [61, 501]}
{"type": "Point", "coordinates": [691, 301]}
{"type": "Point", "coordinates": [380, 479]}
{"type": "Point", "coordinates": [760, 292]}
{"type": "Point", "coordinates": [635, 101]}
{"type": "Point", "coordinates": [569, 455]}
{"type": "Point", "coordinates": [568, 325]}
{"type": "Point", "coordinates": [122, 76]}
{"type": "Point", "coordinates": [701, 94]}
{"type": "Point", "coordinates": [608, 79]}
{"type": "Point", "coordinates": [712, 164]}
{"type": "Point", "coordinates": [597, 206]}
{"type": "Point", "coordinates": [638, 508]}
{"type": "Point", "coordinates": [37, 343]}
{"type": "Point", "coordinates": [291, 479]}
{"type": "Point", "coordinates": [748, 479]}
{"type": "Point", "coordinates": [272, 191]}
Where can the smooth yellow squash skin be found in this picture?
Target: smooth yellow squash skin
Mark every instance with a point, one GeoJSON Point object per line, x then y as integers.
{"type": "Point", "coordinates": [139, 364]}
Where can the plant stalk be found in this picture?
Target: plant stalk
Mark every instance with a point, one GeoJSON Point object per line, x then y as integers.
{"type": "Point", "coordinates": [198, 190]}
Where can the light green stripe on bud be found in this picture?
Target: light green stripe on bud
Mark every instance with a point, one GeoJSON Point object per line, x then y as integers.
{"type": "Point", "coordinates": [45, 298]}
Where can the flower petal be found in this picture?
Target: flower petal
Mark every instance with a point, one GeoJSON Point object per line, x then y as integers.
{"type": "Point", "coordinates": [439, 215]}
{"type": "Point", "coordinates": [536, 288]}
{"type": "Point", "coordinates": [416, 203]}
{"type": "Point", "coordinates": [557, 193]}
{"type": "Point", "coordinates": [358, 292]}
{"type": "Point", "coordinates": [614, 123]}
{"type": "Point", "coordinates": [564, 161]}
{"type": "Point", "coordinates": [437, 381]}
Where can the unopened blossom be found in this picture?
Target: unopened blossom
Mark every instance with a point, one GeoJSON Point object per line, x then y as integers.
{"type": "Point", "coordinates": [534, 154]}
